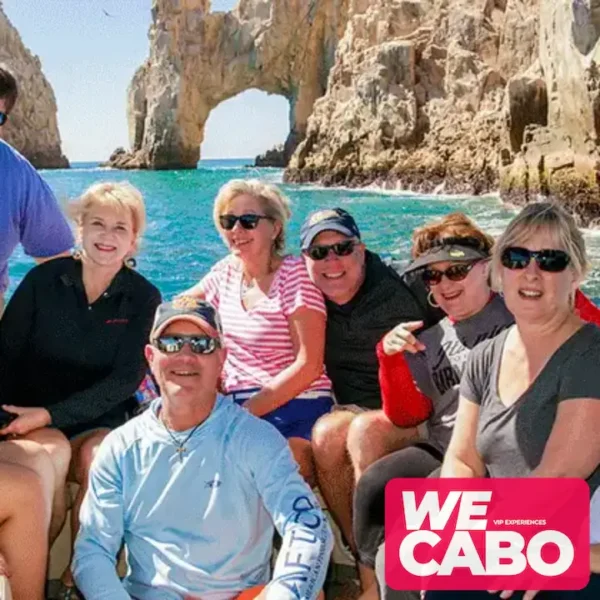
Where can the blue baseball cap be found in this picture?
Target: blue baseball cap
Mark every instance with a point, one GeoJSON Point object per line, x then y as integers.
{"type": "Point", "coordinates": [329, 219]}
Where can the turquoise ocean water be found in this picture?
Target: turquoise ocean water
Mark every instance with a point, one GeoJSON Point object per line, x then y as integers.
{"type": "Point", "coordinates": [181, 243]}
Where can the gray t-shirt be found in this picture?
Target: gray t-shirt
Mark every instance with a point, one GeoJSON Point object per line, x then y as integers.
{"type": "Point", "coordinates": [511, 440]}
{"type": "Point", "coordinates": [437, 370]}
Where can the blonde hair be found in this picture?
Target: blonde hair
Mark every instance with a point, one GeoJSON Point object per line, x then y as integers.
{"type": "Point", "coordinates": [121, 196]}
{"type": "Point", "coordinates": [274, 204]}
{"type": "Point", "coordinates": [548, 216]}
{"type": "Point", "coordinates": [455, 226]}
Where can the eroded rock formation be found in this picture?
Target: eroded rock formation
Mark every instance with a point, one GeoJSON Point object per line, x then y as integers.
{"type": "Point", "coordinates": [430, 80]}
{"type": "Point", "coordinates": [32, 128]}
{"type": "Point", "coordinates": [199, 59]}
{"type": "Point", "coordinates": [561, 155]}
{"type": "Point", "coordinates": [457, 95]}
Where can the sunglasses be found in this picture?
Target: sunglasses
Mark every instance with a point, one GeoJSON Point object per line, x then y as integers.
{"type": "Point", "coordinates": [248, 221]}
{"type": "Point", "coordinates": [3, 118]}
{"type": "Point", "coordinates": [199, 344]}
{"type": "Point", "coordinates": [453, 273]}
{"type": "Point", "coordinates": [552, 261]}
{"type": "Point", "coordinates": [322, 252]}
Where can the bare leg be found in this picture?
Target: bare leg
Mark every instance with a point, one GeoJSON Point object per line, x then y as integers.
{"type": "Point", "coordinates": [372, 436]}
{"type": "Point", "coordinates": [372, 593]}
{"type": "Point", "coordinates": [302, 451]}
{"type": "Point", "coordinates": [30, 455]}
{"type": "Point", "coordinates": [84, 449]}
{"type": "Point", "coordinates": [24, 521]}
{"type": "Point", "coordinates": [58, 448]}
{"type": "Point", "coordinates": [334, 469]}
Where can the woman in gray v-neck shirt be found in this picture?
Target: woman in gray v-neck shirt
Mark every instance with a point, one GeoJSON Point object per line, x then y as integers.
{"type": "Point", "coordinates": [530, 398]}
{"type": "Point", "coordinates": [526, 393]}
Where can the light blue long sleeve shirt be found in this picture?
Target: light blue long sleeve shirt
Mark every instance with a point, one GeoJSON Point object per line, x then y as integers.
{"type": "Point", "coordinates": [201, 526]}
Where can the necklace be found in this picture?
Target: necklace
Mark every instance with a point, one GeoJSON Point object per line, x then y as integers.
{"type": "Point", "coordinates": [248, 286]}
{"type": "Point", "coordinates": [179, 445]}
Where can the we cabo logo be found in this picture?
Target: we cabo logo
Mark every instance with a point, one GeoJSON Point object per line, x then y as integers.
{"type": "Point", "coordinates": [487, 534]}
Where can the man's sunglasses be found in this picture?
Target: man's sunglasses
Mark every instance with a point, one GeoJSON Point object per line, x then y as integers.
{"type": "Point", "coordinates": [199, 344]}
{"type": "Point", "coordinates": [322, 252]}
{"type": "Point", "coordinates": [453, 273]}
{"type": "Point", "coordinates": [248, 221]}
{"type": "Point", "coordinates": [3, 118]}
{"type": "Point", "coordinates": [552, 261]}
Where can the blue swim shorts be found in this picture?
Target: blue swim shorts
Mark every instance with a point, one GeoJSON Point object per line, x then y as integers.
{"type": "Point", "coordinates": [297, 417]}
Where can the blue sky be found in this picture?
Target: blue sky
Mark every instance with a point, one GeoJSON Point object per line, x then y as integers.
{"type": "Point", "coordinates": [89, 59]}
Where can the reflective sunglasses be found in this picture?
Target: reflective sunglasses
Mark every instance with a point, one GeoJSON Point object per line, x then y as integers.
{"type": "Point", "coordinates": [248, 221]}
{"type": "Point", "coordinates": [3, 118]}
{"type": "Point", "coordinates": [453, 273]}
{"type": "Point", "coordinates": [322, 252]}
{"type": "Point", "coordinates": [552, 261]}
{"type": "Point", "coordinates": [199, 344]}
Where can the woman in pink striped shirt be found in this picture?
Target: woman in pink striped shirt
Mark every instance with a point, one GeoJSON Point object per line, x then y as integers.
{"type": "Point", "coordinates": [273, 316]}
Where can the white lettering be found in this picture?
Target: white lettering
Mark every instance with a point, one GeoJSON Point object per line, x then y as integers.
{"type": "Point", "coordinates": [565, 549]}
{"type": "Point", "coordinates": [461, 552]}
{"type": "Point", "coordinates": [430, 505]}
{"type": "Point", "coordinates": [468, 509]}
{"type": "Point", "coordinates": [494, 553]}
{"type": "Point", "coordinates": [406, 553]}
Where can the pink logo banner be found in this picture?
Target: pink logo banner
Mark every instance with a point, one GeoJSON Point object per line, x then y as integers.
{"type": "Point", "coordinates": [487, 534]}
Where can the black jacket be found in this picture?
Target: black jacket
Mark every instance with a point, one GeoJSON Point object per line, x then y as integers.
{"type": "Point", "coordinates": [79, 361]}
{"type": "Point", "coordinates": [353, 330]}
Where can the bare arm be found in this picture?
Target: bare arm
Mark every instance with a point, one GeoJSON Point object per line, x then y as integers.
{"type": "Point", "coordinates": [307, 328]}
{"type": "Point", "coordinates": [462, 458]}
{"type": "Point", "coordinates": [573, 448]}
{"type": "Point", "coordinates": [595, 558]}
{"type": "Point", "coordinates": [42, 259]}
{"type": "Point", "coordinates": [196, 291]}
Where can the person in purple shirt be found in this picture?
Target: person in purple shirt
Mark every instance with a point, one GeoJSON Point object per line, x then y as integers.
{"type": "Point", "coordinates": [29, 212]}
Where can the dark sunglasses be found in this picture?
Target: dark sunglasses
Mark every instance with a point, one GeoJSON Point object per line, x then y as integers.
{"type": "Point", "coordinates": [453, 273]}
{"type": "Point", "coordinates": [553, 261]}
{"type": "Point", "coordinates": [199, 344]}
{"type": "Point", "coordinates": [3, 118]}
{"type": "Point", "coordinates": [249, 221]}
{"type": "Point", "coordinates": [322, 252]}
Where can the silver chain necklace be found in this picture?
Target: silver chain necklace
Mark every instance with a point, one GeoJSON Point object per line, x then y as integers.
{"type": "Point", "coordinates": [179, 445]}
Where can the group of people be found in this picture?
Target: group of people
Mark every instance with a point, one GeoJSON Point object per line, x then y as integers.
{"type": "Point", "coordinates": [276, 375]}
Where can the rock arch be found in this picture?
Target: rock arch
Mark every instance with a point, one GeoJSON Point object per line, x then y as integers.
{"type": "Point", "coordinates": [199, 59]}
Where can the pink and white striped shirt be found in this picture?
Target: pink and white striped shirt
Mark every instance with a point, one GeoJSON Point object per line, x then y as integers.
{"type": "Point", "coordinates": [259, 344]}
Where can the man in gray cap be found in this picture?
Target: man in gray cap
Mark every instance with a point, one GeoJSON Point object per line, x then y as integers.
{"type": "Point", "coordinates": [365, 298]}
{"type": "Point", "coordinates": [195, 486]}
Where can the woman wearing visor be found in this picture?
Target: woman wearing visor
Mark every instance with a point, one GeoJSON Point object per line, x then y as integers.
{"type": "Point", "coordinates": [273, 317]}
{"type": "Point", "coordinates": [420, 376]}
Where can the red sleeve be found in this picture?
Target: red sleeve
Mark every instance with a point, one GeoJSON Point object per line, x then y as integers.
{"type": "Point", "coordinates": [586, 309]}
{"type": "Point", "coordinates": [403, 403]}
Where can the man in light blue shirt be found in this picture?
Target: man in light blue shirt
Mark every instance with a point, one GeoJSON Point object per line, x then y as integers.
{"type": "Point", "coordinates": [29, 212]}
{"type": "Point", "coordinates": [194, 487]}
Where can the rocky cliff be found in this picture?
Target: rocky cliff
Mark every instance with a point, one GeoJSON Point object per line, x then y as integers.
{"type": "Point", "coordinates": [199, 59]}
{"type": "Point", "coordinates": [457, 95]}
{"type": "Point", "coordinates": [32, 128]}
{"type": "Point", "coordinates": [465, 96]}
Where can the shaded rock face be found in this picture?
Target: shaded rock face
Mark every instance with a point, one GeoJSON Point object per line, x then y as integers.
{"type": "Point", "coordinates": [563, 158]}
{"type": "Point", "coordinates": [32, 127]}
{"type": "Point", "coordinates": [199, 59]}
{"type": "Point", "coordinates": [275, 157]}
